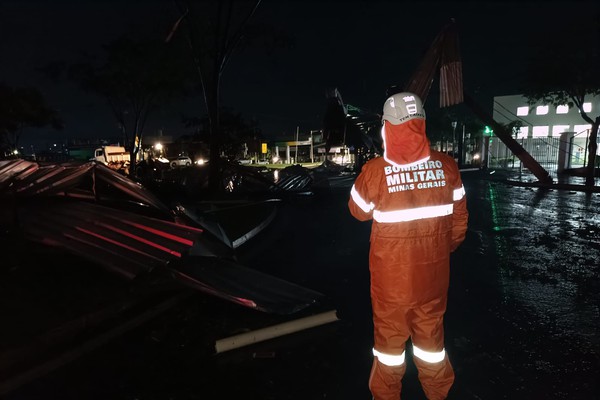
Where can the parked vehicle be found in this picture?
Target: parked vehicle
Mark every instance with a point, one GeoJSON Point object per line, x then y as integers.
{"type": "Point", "coordinates": [181, 161]}
{"type": "Point", "coordinates": [116, 157]}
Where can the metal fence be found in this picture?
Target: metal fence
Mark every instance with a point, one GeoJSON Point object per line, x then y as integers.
{"type": "Point", "coordinates": [544, 150]}
{"type": "Point", "coordinates": [570, 150]}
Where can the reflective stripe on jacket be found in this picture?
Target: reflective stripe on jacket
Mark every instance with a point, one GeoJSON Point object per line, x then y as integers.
{"type": "Point", "coordinates": [423, 200]}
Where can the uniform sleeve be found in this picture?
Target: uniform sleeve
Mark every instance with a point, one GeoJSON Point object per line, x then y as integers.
{"type": "Point", "coordinates": [460, 215]}
{"type": "Point", "coordinates": [361, 203]}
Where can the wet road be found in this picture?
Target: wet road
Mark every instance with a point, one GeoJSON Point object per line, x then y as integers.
{"type": "Point", "coordinates": [540, 253]}
{"type": "Point", "coordinates": [523, 318]}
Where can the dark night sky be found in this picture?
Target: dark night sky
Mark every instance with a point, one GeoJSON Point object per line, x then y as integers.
{"type": "Point", "coordinates": [360, 47]}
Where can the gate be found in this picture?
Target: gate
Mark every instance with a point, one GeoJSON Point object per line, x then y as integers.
{"type": "Point", "coordinates": [544, 150]}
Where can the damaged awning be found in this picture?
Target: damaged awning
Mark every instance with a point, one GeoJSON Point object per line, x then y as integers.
{"type": "Point", "coordinates": [102, 216]}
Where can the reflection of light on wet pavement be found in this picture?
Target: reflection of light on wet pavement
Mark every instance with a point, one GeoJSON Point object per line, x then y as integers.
{"type": "Point", "coordinates": [500, 243]}
{"type": "Point", "coordinates": [493, 204]}
{"type": "Point", "coordinates": [536, 327]}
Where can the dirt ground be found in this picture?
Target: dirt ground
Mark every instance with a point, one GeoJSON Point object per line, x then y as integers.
{"type": "Point", "coordinates": [523, 318]}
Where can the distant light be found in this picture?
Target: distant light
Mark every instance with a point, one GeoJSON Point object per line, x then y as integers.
{"type": "Point", "coordinates": [558, 129]}
{"type": "Point", "coordinates": [158, 146]}
{"type": "Point", "coordinates": [582, 130]}
{"type": "Point", "coordinates": [541, 110]}
{"type": "Point", "coordinates": [540, 131]}
{"type": "Point", "coordinates": [476, 156]}
{"type": "Point", "coordinates": [15, 152]}
{"type": "Point", "coordinates": [200, 161]}
{"type": "Point", "coordinates": [587, 107]}
{"type": "Point", "coordinates": [275, 160]}
{"type": "Point", "coordinates": [522, 111]}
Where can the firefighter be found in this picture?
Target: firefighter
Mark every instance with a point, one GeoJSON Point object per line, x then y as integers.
{"type": "Point", "coordinates": [416, 199]}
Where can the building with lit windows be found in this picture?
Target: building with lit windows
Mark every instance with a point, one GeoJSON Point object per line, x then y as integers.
{"type": "Point", "coordinates": [546, 131]}
{"type": "Point", "coordinates": [542, 120]}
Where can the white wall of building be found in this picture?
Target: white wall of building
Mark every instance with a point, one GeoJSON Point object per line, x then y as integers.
{"type": "Point", "coordinates": [543, 120]}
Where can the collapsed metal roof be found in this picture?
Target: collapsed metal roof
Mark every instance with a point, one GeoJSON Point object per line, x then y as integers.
{"type": "Point", "coordinates": [100, 215]}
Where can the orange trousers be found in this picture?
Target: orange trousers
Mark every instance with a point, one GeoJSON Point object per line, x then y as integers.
{"type": "Point", "coordinates": [394, 325]}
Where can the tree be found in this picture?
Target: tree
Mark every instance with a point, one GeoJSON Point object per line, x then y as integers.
{"type": "Point", "coordinates": [21, 108]}
{"type": "Point", "coordinates": [215, 29]}
{"type": "Point", "coordinates": [238, 135]}
{"type": "Point", "coordinates": [137, 76]}
{"type": "Point", "coordinates": [563, 70]}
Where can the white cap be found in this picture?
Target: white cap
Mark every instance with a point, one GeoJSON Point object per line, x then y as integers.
{"type": "Point", "coordinates": [402, 107]}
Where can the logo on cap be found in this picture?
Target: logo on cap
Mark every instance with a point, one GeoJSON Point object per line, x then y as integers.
{"type": "Point", "coordinates": [410, 108]}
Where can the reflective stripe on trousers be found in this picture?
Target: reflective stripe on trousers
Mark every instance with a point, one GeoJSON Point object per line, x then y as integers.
{"type": "Point", "coordinates": [393, 360]}
{"type": "Point", "coordinates": [429, 356]}
{"type": "Point", "coordinates": [435, 374]}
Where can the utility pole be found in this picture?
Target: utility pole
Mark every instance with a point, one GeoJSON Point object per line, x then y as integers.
{"type": "Point", "coordinates": [312, 155]}
{"type": "Point", "coordinates": [296, 155]}
{"type": "Point", "coordinates": [462, 146]}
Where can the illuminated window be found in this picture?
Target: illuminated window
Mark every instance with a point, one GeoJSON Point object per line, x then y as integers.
{"type": "Point", "coordinates": [582, 130]}
{"type": "Point", "coordinates": [587, 107]}
{"type": "Point", "coordinates": [523, 132]}
{"type": "Point", "coordinates": [541, 110]}
{"type": "Point", "coordinates": [540, 131]}
{"type": "Point", "coordinates": [564, 109]}
{"type": "Point", "coordinates": [522, 111]}
{"type": "Point", "coordinates": [558, 129]}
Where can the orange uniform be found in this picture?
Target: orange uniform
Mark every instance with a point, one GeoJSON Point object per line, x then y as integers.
{"type": "Point", "coordinates": [417, 202]}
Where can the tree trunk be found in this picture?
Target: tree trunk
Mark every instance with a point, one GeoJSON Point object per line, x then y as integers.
{"type": "Point", "coordinates": [592, 148]}
{"type": "Point", "coordinates": [132, 154]}
{"type": "Point", "coordinates": [214, 165]}
{"type": "Point", "coordinates": [132, 164]}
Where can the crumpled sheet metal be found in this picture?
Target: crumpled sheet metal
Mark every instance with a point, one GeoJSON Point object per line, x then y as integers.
{"type": "Point", "coordinates": [51, 205]}
{"type": "Point", "coordinates": [20, 178]}
{"type": "Point", "coordinates": [232, 223]}
{"type": "Point", "coordinates": [248, 287]}
{"type": "Point", "coordinates": [294, 178]}
{"type": "Point", "coordinates": [124, 242]}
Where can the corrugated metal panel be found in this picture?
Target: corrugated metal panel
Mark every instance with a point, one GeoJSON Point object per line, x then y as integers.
{"type": "Point", "coordinates": [443, 52]}
{"type": "Point", "coordinates": [58, 205]}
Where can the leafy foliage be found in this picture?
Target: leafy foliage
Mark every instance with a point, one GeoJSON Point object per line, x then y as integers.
{"type": "Point", "coordinates": [137, 76]}
{"type": "Point", "coordinates": [238, 135]}
{"type": "Point", "coordinates": [563, 69]}
{"type": "Point", "coordinates": [214, 31]}
{"type": "Point", "coordinates": [21, 108]}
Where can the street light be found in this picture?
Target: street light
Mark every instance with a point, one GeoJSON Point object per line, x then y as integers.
{"type": "Point", "coordinates": [158, 147]}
